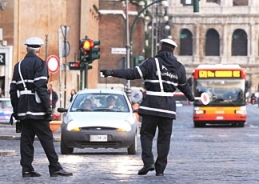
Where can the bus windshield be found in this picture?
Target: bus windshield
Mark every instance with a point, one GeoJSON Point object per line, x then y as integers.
{"type": "Point", "coordinates": [226, 92]}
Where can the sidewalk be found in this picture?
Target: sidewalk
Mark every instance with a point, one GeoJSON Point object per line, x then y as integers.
{"type": "Point", "coordinates": [7, 132]}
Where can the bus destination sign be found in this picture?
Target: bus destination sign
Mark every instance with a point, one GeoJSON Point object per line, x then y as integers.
{"type": "Point", "coordinates": [219, 74]}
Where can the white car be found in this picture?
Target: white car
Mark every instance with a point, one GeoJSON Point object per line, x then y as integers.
{"type": "Point", "coordinates": [6, 110]}
{"type": "Point", "coordinates": [92, 122]}
{"type": "Point", "coordinates": [178, 104]}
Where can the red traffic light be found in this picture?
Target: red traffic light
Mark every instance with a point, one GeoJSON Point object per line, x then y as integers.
{"type": "Point", "coordinates": [87, 44]}
{"type": "Point", "coordinates": [74, 65]}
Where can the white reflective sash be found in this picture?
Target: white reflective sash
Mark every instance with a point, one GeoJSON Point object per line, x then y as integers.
{"type": "Point", "coordinates": [159, 75]}
{"type": "Point", "coordinates": [155, 93]}
{"type": "Point", "coordinates": [32, 113]}
{"type": "Point", "coordinates": [162, 93]}
{"type": "Point", "coordinates": [157, 110]}
{"type": "Point", "coordinates": [26, 92]}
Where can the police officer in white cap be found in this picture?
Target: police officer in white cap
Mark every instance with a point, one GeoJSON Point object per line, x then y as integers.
{"type": "Point", "coordinates": [31, 76]}
{"type": "Point", "coordinates": [162, 75]}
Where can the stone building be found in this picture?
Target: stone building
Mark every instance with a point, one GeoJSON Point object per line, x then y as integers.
{"type": "Point", "coordinates": [20, 20]}
{"type": "Point", "coordinates": [223, 31]}
{"type": "Point", "coordinates": [112, 33]}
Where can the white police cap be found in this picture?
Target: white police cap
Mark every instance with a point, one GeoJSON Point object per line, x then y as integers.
{"type": "Point", "coordinates": [34, 41]}
{"type": "Point", "coordinates": [168, 41]}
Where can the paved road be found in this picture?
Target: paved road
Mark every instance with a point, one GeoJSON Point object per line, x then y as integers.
{"type": "Point", "coordinates": [210, 155]}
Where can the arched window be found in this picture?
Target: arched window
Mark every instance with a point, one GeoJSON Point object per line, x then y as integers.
{"type": "Point", "coordinates": [240, 2]}
{"type": "Point", "coordinates": [185, 43]}
{"type": "Point", "coordinates": [212, 43]}
{"type": "Point", "coordinates": [239, 43]}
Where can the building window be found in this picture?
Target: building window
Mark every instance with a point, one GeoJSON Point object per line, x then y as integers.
{"type": "Point", "coordinates": [187, 2]}
{"type": "Point", "coordinates": [240, 2]}
{"type": "Point", "coordinates": [185, 43]}
{"type": "Point", "coordinates": [213, 1]}
{"type": "Point", "coordinates": [212, 43]}
{"type": "Point", "coordinates": [190, 2]}
{"type": "Point", "coordinates": [239, 43]}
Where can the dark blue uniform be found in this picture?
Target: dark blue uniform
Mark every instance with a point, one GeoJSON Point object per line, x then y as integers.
{"type": "Point", "coordinates": [158, 108]}
{"type": "Point", "coordinates": [31, 113]}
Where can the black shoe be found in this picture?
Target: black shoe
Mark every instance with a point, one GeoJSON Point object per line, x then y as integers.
{"type": "Point", "coordinates": [159, 174]}
{"type": "Point", "coordinates": [30, 174]}
{"type": "Point", "coordinates": [61, 172]}
{"type": "Point", "coordinates": [146, 169]}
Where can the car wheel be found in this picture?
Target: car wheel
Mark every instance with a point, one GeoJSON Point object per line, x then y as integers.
{"type": "Point", "coordinates": [132, 150]}
{"type": "Point", "coordinates": [64, 149]}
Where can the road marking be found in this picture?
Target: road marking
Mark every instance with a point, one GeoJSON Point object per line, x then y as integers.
{"type": "Point", "coordinates": [252, 135]}
{"type": "Point", "coordinates": [223, 135]}
{"type": "Point", "coordinates": [253, 126]}
{"type": "Point", "coordinates": [196, 135]}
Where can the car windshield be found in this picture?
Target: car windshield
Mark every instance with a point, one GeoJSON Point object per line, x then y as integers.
{"type": "Point", "coordinates": [5, 104]}
{"type": "Point", "coordinates": [99, 102]}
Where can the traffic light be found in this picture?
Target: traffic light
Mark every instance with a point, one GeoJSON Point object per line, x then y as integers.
{"type": "Point", "coordinates": [76, 65]}
{"type": "Point", "coordinates": [196, 5]}
{"type": "Point", "coordinates": [94, 52]}
{"type": "Point", "coordinates": [85, 46]}
{"type": "Point", "coordinates": [88, 51]}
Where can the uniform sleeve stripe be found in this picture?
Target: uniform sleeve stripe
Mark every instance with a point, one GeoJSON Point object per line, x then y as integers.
{"type": "Point", "coordinates": [182, 84]}
{"type": "Point", "coordinates": [139, 71]}
{"type": "Point", "coordinates": [30, 81]}
{"type": "Point", "coordinates": [40, 78]}
{"type": "Point", "coordinates": [157, 81]}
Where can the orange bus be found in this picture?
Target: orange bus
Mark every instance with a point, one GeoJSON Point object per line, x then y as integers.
{"type": "Point", "coordinates": [225, 85]}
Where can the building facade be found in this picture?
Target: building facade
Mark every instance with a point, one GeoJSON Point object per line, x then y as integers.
{"type": "Point", "coordinates": [112, 32]}
{"type": "Point", "coordinates": [20, 20]}
{"type": "Point", "coordinates": [222, 32]}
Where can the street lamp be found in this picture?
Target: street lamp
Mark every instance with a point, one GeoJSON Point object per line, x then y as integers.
{"type": "Point", "coordinates": [159, 27]}
{"type": "Point", "coordinates": [129, 35]}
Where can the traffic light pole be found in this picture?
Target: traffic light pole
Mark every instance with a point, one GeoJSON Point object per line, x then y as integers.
{"type": "Point", "coordinates": [128, 84]}
{"type": "Point", "coordinates": [88, 53]}
{"type": "Point", "coordinates": [86, 75]}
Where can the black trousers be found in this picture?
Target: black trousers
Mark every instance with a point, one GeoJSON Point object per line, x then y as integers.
{"type": "Point", "coordinates": [147, 133]}
{"type": "Point", "coordinates": [41, 128]}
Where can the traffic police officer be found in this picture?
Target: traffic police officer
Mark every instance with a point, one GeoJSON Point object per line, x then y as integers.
{"type": "Point", "coordinates": [31, 105]}
{"type": "Point", "coordinates": [162, 76]}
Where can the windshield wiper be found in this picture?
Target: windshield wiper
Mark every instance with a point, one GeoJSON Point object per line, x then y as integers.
{"type": "Point", "coordinates": [83, 110]}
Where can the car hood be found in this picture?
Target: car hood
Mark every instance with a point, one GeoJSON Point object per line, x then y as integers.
{"type": "Point", "coordinates": [106, 119]}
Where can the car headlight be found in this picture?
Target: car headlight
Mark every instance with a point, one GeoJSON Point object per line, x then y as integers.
{"type": "Point", "coordinates": [71, 126]}
{"type": "Point", "coordinates": [124, 128]}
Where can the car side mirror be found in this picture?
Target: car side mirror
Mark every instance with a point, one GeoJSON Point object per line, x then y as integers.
{"type": "Point", "coordinates": [61, 110]}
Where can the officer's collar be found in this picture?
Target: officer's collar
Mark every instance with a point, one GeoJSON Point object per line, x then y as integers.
{"type": "Point", "coordinates": [164, 53]}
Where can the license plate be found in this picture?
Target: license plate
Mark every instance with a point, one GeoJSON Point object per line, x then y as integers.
{"type": "Point", "coordinates": [219, 118]}
{"type": "Point", "coordinates": [98, 138]}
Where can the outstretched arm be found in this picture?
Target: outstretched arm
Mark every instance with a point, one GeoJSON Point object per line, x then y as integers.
{"type": "Point", "coordinates": [129, 74]}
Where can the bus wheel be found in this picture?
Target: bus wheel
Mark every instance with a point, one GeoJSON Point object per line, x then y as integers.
{"type": "Point", "coordinates": [241, 124]}
{"type": "Point", "coordinates": [234, 124]}
{"type": "Point", "coordinates": [199, 124]}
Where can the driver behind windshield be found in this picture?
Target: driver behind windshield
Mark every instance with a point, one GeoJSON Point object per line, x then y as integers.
{"type": "Point", "coordinates": [88, 104]}
{"type": "Point", "coordinates": [111, 101]}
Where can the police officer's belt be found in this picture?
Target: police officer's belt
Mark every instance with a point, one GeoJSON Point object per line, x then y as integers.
{"type": "Point", "coordinates": [26, 92]}
{"type": "Point", "coordinates": [155, 93]}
